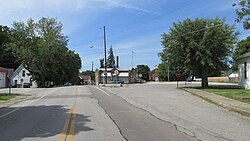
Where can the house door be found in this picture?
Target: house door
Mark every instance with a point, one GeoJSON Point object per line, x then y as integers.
{"type": "Point", "coordinates": [2, 79]}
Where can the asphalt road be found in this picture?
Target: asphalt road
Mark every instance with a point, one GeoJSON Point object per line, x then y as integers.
{"type": "Point", "coordinates": [66, 113]}
{"type": "Point", "coordinates": [190, 114]}
{"type": "Point", "coordinates": [136, 124]}
{"type": "Point", "coordinates": [82, 113]}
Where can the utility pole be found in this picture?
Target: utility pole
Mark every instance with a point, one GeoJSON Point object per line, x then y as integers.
{"type": "Point", "coordinates": [132, 59]}
{"type": "Point", "coordinates": [92, 66]}
{"type": "Point", "coordinates": [105, 56]}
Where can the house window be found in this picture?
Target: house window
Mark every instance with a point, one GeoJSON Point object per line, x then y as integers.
{"type": "Point", "coordinates": [245, 70]}
{"type": "Point", "coordinates": [24, 73]}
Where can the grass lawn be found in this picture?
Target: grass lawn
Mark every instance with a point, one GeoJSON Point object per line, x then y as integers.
{"type": "Point", "coordinates": [7, 96]}
{"type": "Point", "coordinates": [231, 93]}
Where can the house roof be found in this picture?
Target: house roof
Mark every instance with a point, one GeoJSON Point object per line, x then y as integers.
{"type": "Point", "coordinates": [234, 74]}
{"type": "Point", "coordinates": [243, 56]}
{"type": "Point", "coordinates": [109, 69]}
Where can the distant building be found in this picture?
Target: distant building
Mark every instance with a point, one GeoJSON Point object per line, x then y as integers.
{"type": "Point", "coordinates": [153, 76]}
{"type": "Point", "coordinates": [114, 75]}
{"type": "Point", "coordinates": [21, 77]}
{"type": "Point", "coordinates": [234, 77]}
{"type": "Point", "coordinates": [86, 79]}
{"type": "Point", "coordinates": [244, 70]}
{"type": "Point", "coordinates": [3, 77]}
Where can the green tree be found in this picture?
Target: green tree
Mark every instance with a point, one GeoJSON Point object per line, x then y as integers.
{"type": "Point", "coordinates": [102, 63]}
{"type": "Point", "coordinates": [42, 47]}
{"type": "Point", "coordinates": [111, 59]}
{"type": "Point", "coordinates": [242, 47]}
{"type": "Point", "coordinates": [7, 58]}
{"type": "Point", "coordinates": [199, 46]}
{"type": "Point", "coordinates": [144, 70]}
{"type": "Point", "coordinates": [243, 13]}
{"type": "Point", "coordinates": [162, 72]}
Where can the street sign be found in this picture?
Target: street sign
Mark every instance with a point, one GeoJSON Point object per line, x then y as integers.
{"type": "Point", "coordinates": [140, 75]}
{"type": "Point", "coordinates": [116, 72]}
{"type": "Point", "coordinates": [178, 74]}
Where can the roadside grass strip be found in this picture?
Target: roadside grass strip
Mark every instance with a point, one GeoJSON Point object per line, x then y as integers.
{"type": "Point", "coordinates": [6, 97]}
{"type": "Point", "coordinates": [242, 95]}
{"type": "Point", "coordinates": [69, 126]}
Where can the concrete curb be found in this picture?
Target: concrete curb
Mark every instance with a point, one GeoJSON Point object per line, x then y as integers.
{"type": "Point", "coordinates": [236, 106]}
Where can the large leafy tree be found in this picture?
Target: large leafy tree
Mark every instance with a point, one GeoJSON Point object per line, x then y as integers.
{"type": "Point", "coordinates": [111, 58]}
{"type": "Point", "coordinates": [7, 59]}
{"type": "Point", "coordinates": [162, 71]}
{"type": "Point", "coordinates": [199, 46]}
{"type": "Point", "coordinates": [41, 46]}
{"type": "Point", "coordinates": [144, 70]}
{"type": "Point", "coordinates": [243, 13]}
{"type": "Point", "coordinates": [242, 47]}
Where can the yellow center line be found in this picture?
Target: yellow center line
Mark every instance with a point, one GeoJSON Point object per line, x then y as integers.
{"type": "Point", "coordinates": [70, 122]}
{"type": "Point", "coordinates": [72, 129]}
{"type": "Point", "coordinates": [66, 125]}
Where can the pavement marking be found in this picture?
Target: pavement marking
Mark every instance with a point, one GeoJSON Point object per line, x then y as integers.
{"type": "Point", "coordinates": [72, 129]}
{"type": "Point", "coordinates": [103, 91]}
{"type": "Point", "coordinates": [66, 125]}
{"type": "Point", "coordinates": [25, 105]}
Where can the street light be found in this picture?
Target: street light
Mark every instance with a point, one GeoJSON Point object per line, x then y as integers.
{"type": "Point", "coordinates": [132, 59]}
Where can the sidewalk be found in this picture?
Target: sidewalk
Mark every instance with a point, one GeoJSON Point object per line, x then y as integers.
{"type": "Point", "coordinates": [230, 104]}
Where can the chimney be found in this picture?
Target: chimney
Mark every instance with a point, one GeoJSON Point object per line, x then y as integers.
{"type": "Point", "coordinates": [117, 62]}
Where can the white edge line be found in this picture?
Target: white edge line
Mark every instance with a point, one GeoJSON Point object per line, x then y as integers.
{"type": "Point", "coordinates": [24, 105]}
{"type": "Point", "coordinates": [103, 91]}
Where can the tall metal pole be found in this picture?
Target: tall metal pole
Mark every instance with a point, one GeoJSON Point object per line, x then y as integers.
{"type": "Point", "coordinates": [105, 55]}
{"type": "Point", "coordinates": [132, 60]}
{"type": "Point", "coordinates": [92, 68]}
{"type": "Point", "coordinates": [168, 72]}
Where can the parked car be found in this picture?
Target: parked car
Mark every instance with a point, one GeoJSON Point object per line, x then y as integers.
{"type": "Point", "coordinates": [26, 85]}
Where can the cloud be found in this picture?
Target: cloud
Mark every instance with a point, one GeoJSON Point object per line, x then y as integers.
{"type": "Point", "coordinates": [113, 3]}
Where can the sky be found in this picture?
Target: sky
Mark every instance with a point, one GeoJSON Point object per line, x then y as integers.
{"type": "Point", "coordinates": [133, 27]}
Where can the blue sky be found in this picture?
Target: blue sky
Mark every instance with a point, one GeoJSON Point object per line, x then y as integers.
{"type": "Point", "coordinates": [131, 25]}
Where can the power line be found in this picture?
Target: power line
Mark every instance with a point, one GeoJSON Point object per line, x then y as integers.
{"type": "Point", "coordinates": [163, 15]}
{"type": "Point", "coordinates": [155, 41]}
{"type": "Point", "coordinates": [132, 27]}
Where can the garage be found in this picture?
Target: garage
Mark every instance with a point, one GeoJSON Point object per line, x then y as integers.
{"type": "Point", "coordinates": [2, 79]}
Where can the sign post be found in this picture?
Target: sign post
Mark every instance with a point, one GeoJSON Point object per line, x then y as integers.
{"type": "Point", "coordinates": [140, 76]}
{"type": "Point", "coordinates": [178, 75]}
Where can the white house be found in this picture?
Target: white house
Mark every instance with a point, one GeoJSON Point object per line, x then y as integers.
{"type": "Point", "coordinates": [244, 70]}
{"type": "Point", "coordinates": [234, 77]}
{"type": "Point", "coordinates": [21, 77]}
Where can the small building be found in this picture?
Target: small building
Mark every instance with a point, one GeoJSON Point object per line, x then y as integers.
{"type": "Point", "coordinates": [3, 77]}
{"type": "Point", "coordinates": [153, 76]}
{"type": "Point", "coordinates": [21, 77]}
{"type": "Point", "coordinates": [113, 75]}
{"type": "Point", "coordinates": [86, 79]}
{"type": "Point", "coordinates": [234, 77]}
{"type": "Point", "coordinates": [244, 70]}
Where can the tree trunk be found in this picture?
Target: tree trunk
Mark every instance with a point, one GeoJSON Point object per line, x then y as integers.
{"type": "Point", "coordinates": [42, 82]}
{"type": "Point", "coordinates": [204, 77]}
